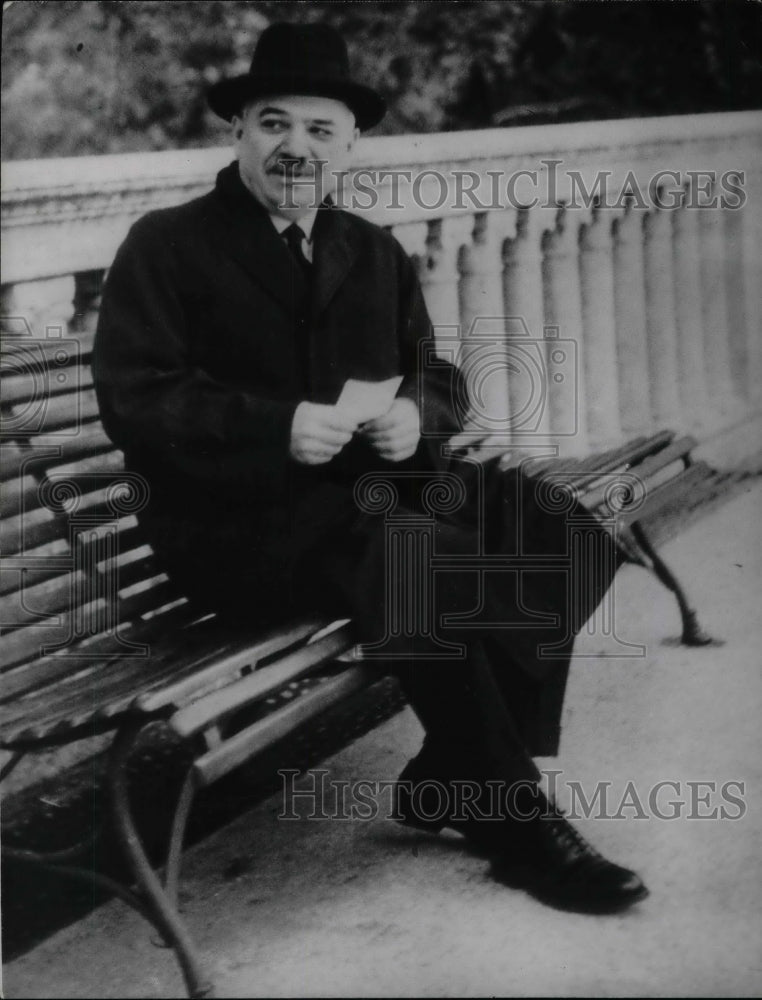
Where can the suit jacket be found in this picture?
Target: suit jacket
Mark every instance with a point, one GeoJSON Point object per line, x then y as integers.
{"type": "Point", "coordinates": [205, 346]}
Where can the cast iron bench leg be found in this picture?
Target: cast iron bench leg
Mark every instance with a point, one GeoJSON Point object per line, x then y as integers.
{"type": "Point", "coordinates": [161, 903]}
{"type": "Point", "coordinates": [693, 633]}
{"type": "Point", "coordinates": [175, 851]}
{"type": "Point", "coordinates": [61, 862]}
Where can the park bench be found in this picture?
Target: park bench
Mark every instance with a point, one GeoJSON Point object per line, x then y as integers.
{"type": "Point", "coordinates": [96, 639]}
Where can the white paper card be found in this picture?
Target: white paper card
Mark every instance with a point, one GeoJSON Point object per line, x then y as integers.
{"type": "Point", "coordinates": [368, 400]}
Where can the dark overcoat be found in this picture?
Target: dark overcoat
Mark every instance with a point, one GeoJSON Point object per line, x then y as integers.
{"type": "Point", "coordinates": [206, 344]}
{"type": "Point", "coordinates": [205, 347]}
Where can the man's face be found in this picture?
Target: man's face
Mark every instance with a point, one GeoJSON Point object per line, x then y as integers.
{"type": "Point", "coordinates": [279, 141]}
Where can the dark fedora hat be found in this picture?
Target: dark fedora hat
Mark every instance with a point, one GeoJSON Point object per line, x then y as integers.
{"type": "Point", "coordinates": [299, 59]}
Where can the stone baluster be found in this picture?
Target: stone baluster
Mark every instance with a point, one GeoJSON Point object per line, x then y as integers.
{"type": "Point", "coordinates": [743, 275]}
{"type": "Point", "coordinates": [751, 216]}
{"type": "Point", "coordinates": [525, 322]}
{"type": "Point", "coordinates": [563, 313]}
{"type": "Point", "coordinates": [484, 356]}
{"type": "Point", "coordinates": [686, 266]}
{"type": "Point", "coordinates": [630, 311]}
{"type": "Point", "coordinates": [714, 306]}
{"type": "Point", "coordinates": [734, 282]}
{"type": "Point", "coordinates": [661, 324]}
{"type": "Point", "coordinates": [599, 358]}
{"type": "Point", "coordinates": [439, 274]}
{"type": "Point", "coordinates": [40, 309]}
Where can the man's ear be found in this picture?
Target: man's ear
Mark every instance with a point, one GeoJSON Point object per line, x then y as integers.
{"type": "Point", "coordinates": [353, 140]}
{"type": "Point", "coordinates": [237, 125]}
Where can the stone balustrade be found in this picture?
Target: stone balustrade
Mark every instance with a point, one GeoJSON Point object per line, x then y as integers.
{"type": "Point", "coordinates": [594, 280]}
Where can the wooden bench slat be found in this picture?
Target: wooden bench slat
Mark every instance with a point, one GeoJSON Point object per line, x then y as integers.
{"type": "Point", "coordinates": [194, 718]}
{"type": "Point", "coordinates": [36, 565]}
{"type": "Point", "coordinates": [97, 689]}
{"type": "Point", "coordinates": [41, 600]}
{"type": "Point", "coordinates": [128, 536]}
{"type": "Point", "coordinates": [263, 734]}
{"type": "Point", "coordinates": [69, 410]}
{"type": "Point", "coordinates": [51, 450]}
{"type": "Point", "coordinates": [129, 568]}
{"type": "Point", "coordinates": [20, 355]}
{"type": "Point", "coordinates": [18, 495]}
{"type": "Point", "coordinates": [153, 597]}
{"type": "Point", "coordinates": [633, 451]}
{"type": "Point", "coordinates": [27, 386]}
{"type": "Point", "coordinates": [110, 461]}
{"type": "Point", "coordinates": [98, 686]}
{"type": "Point", "coordinates": [24, 644]}
{"type": "Point", "coordinates": [105, 649]}
{"type": "Point", "coordinates": [10, 460]}
{"type": "Point", "coordinates": [187, 684]}
{"type": "Point", "coordinates": [645, 471]}
{"type": "Point", "coordinates": [580, 468]}
{"type": "Point", "coordinates": [28, 530]}
{"type": "Point", "coordinates": [657, 450]}
{"type": "Point", "coordinates": [37, 526]}
{"type": "Point", "coordinates": [34, 677]}
{"type": "Point", "coordinates": [97, 501]}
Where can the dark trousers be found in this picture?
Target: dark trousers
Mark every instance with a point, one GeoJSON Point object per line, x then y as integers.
{"type": "Point", "coordinates": [502, 699]}
{"type": "Point", "coordinates": [501, 702]}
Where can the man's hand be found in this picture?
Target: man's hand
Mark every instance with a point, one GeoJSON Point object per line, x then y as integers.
{"type": "Point", "coordinates": [395, 436]}
{"type": "Point", "coordinates": [319, 432]}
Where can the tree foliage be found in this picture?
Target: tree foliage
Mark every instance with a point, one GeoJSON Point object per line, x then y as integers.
{"type": "Point", "coordinates": [114, 75]}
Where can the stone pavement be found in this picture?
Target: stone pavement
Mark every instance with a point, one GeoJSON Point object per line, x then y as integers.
{"type": "Point", "coordinates": [340, 908]}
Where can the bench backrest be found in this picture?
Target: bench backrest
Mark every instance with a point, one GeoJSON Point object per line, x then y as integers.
{"type": "Point", "coordinates": [76, 569]}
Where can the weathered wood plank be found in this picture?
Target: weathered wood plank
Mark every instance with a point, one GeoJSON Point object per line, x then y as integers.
{"type": "Point", "coordinates": [36, 565]}
{"type": "Point", "coordinates": [17, 495]}
{"type": "Point", "coordinates": [28, 530]}
{"type": "Point", "coordinates": [51, 450]}
{"type": "Point", "coordinates": [69, 410]}
{"type": "Point", "coordinates": [197, 716]}
{"type": "Point", "coordinates": [28, 386]}
{"type": "Point", "coordinates": [35, 602]}
{"type": "Point", "coordinates": [263, 734]}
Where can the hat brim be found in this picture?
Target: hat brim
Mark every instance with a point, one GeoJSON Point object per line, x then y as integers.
{"type": "Point", "coordinates": [227, 97]}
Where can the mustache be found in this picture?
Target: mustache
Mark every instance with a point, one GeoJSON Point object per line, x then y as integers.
{"type": "Point", "coordinates": [292, 167]}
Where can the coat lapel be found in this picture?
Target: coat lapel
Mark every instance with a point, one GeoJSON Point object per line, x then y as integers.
{"type": "Point", "coordinates": [246, 233]}
{"type": "Point", "coordinates": [335, 251]}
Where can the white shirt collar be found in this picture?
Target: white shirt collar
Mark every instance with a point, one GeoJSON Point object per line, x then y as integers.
{"type": "Point", "coordinates": [305, 223]}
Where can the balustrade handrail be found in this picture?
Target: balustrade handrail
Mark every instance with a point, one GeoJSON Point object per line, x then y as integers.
{"type": "Point", "coordinates": [71, 213]}
{"type": "Point", "coordinates": [23, 179]}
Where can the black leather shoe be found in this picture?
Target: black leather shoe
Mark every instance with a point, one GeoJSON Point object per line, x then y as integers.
{"type": "Point", "coordinates": [545, 856]}
{"type": "Point", "coordinates": [554, 863]}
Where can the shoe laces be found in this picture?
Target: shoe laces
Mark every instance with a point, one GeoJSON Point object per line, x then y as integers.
{"type": "Point", "coordinates": [569, 838]}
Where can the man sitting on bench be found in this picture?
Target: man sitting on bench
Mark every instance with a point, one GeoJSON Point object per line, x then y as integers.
{"type": "Point", "coordinates": [229, 329]}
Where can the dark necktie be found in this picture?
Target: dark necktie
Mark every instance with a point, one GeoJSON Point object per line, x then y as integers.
{"type": "Point", "coordinates": [294, 237]}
